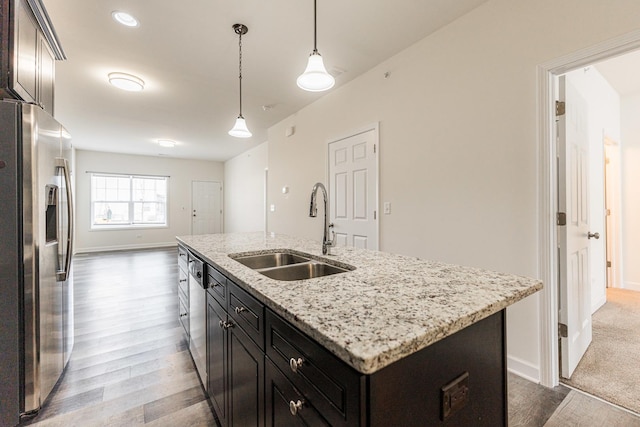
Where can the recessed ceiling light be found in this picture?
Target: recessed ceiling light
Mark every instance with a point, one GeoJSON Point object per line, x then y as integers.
{"type": "Point", "coordinates": [126, 81]}
{"type": "Point", "coordinates": [166, 143]}
{"type": "Point", "coordinates": [124, 18]}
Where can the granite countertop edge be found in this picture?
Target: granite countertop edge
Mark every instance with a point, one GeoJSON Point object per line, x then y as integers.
{"type": "Point", "coordinates": [356, 315]}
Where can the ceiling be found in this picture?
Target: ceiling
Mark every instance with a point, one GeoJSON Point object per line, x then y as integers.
{"type": "Point", "coordinates": [622, 72]}
{"type": "Point", "coordinates": [187, 54]}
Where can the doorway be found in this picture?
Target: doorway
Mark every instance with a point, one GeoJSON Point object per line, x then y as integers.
{"type": "Point", "coordinates": [206, 207]}
{"type": "Point", "coordinates": [550, 264]}
{"type": "Point", "coordinates": [353, 188]}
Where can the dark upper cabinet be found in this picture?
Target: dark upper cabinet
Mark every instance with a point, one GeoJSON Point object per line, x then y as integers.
{"type": "Point", "coordinates": [47, 75]}
{"type": "Point", "coordinates": [29, 50]}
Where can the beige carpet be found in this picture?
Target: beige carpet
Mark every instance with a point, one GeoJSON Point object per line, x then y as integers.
{"type": "Point", "coordinates": [610, 369]}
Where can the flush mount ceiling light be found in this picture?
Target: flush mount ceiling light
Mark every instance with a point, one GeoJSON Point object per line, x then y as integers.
{"type": "Point", "coordinates": [124, 18]}
{"type": "Point", "coordinates": [315, 77]}
{"type": "Point", "coordinates": [166, 143]}
{"type": "Point", "coordinates": [240, 128]}
{"type": "Point", "coordinates": [126, 81]}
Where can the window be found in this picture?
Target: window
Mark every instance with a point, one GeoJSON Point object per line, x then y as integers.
{"type": "Point", "coordinates": [128, 201]}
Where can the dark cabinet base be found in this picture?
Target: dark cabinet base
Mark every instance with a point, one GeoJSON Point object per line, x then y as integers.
{"type": "Point", "coordinates": [264, 371]}
{"type": "Point", "coordinates": [410, 392]}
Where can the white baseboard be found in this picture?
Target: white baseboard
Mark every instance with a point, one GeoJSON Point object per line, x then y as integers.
{"type": "Point", "coordinates": [125, 247]}
{"type": "Point", "coordinates": [523, 369]}
{"type": "Point", "coordinates": [632, 286]}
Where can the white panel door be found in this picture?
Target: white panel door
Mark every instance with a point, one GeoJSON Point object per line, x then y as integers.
{"type": "Point", "coordinates": [573, 190]}
{"type": "Point", "coordinates": [206, 210]}
{"type": "Point", "coordinates": [353, 190]}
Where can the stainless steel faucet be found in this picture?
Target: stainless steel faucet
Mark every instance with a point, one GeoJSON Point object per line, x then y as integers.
{"type": "Point", "coordinates": [313, 212]}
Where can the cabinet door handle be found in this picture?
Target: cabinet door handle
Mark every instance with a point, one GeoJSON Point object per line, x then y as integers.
{"type": "Point", "coordinates": [294, 407]}
{"type": "Point", "coordinates": [214, 284]}
{"type": "Point", "coordinates": [225, 325]}
{"type": "Point", "coordinates": [183, 280]}
{"type": "Point", "coordinates": [239, 310]}
{"type": "Point", "coordinates": [295, 364]}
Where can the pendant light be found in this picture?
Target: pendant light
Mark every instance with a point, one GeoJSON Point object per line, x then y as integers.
{"type": "Point", "coordinates": [315, 77]}
{"type": "Point", "coordinates": [240, 128]}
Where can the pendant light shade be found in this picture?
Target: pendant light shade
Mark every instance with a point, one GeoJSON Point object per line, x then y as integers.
{"type": "Point", "coordinates": [240, 129]}
{"type": "Point", "coordinates": [315, 77]}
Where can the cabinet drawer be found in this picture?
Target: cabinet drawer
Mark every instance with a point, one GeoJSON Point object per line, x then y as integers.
{"type": "Point", "coordinates": [247, 312]}
{"type": "Point", "coordinates": [183, 283]}
{"type": "Point", "coordinates": [217, 285]}
{"type": "Point", "coordinates": [332, 386]}
{"type": "Point", "coordinates": [182, 259]}
{"type": "Point", "coordinates": [183, 316]}
{"type": "Point", "coordinates": [281, 395]}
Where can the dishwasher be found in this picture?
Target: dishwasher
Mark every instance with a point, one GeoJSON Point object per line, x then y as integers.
{"type": "Point", "coordinates": [198, 316]}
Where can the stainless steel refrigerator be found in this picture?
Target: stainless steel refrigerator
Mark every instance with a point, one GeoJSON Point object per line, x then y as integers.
{"type": "Point", "coordinates": [36, 246]}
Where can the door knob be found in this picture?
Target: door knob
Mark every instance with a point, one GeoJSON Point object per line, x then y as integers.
{"type": "Point", "coordinates": [593, 235]}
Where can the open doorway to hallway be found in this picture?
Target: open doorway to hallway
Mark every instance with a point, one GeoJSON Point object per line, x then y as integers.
{"type": "Point", "coordinates": [607, 288]}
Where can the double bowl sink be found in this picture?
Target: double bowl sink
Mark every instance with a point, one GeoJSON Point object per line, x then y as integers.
{"type": "Point", "coordinates": [289, 266]}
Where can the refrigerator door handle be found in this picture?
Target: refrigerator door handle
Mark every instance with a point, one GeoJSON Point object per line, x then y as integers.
{"type": "Point", "coordinates": [61, 163]}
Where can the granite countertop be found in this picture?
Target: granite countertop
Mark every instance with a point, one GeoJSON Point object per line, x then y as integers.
{"type": "Point", "coordinates": [389, 307]}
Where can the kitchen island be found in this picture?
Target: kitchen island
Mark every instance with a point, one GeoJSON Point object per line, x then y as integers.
{"type": "Point", "coordinates": [423, 342]}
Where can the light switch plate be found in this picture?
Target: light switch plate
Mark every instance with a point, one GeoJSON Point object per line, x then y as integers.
{"type": "Point", "coordinates": [387, 208]}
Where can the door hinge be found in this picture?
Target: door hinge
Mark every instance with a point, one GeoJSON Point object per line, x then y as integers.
{"type": "Point", "coordinates": [608, 264]}
{"type": "Point", "coordinates": [562, 330]}
{"type": "Point", "coordinates": [560, 108]}
{"type": "Point", "coordinates": [608, 212]}
{"type": "Point", "coordinates": [561, 218]}
{"type": "Point", "coordinates": [374, 214]}
{"type": "Point", "coordinates": [374, 148]}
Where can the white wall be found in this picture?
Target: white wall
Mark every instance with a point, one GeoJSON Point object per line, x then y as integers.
{"type": "Point", "coordinates": [630, 191]}
{"type": "Point", "coordinates": [458, 141]}
{"type": "Point", "coordinates": [244, 176]}
{"type": "Point", "coordinates": [181, 173]}
{"type": "Point", "coordinates": [604, 120]}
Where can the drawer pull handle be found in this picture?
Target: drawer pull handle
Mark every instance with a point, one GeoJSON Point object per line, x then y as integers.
{"type": "Point", "coordinates": [183, 280]}
{"type": "Point", "coordinates": [184, 314]}
{"type": "Point", "coordinates": [294, 407]}
{"type": "Point", "coordinates": [295, 364]}
{"type": "Point", "coordinates": [214, 284]}
{"type": "Point", "coordinates": [239, 310]}
{"type": "Point", "coordinates": [225, 325]}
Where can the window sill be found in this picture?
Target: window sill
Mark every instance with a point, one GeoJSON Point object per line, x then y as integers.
{"type": "Point", "coordinates": [127, 227]}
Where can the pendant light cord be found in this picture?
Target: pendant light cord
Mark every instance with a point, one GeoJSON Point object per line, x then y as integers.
{"type": "Point", "coordinates": [315, 27]}
{"type": "Point", "coordinates": [240, 69]}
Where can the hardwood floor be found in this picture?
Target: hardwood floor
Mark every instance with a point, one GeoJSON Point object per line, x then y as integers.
{"type": "Point", "coordinates": [130, 363]}
{"type": "Point", "coordinates": [131, 366]}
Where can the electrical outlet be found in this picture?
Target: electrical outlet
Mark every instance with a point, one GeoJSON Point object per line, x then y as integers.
{"type": "Point", "coordinates": [454, 396]}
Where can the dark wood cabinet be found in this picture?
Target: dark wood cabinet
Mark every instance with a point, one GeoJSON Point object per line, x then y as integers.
{"type": "Point", "coordinates": [326, 382]}
{"type": "Point", "coordinates": [183, 290]}
{"type": "Point", "coordinates": [235, 360]}
{"type": "Point", "coordinates": [287, 406]}
{"type": "Point", "coordinates": [29, 50]}
{"type": "Point", "coordinates": [246, 380]}
{"type": "Point", "coordinates": [217, 358]}
{"type": "Point", "coordinates": [263, 371]}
